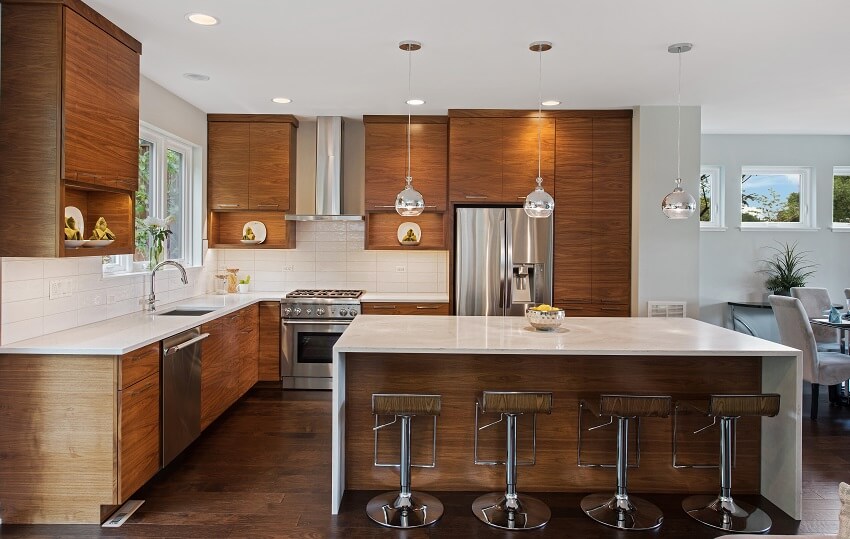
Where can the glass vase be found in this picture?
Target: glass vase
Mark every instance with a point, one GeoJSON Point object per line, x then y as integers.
{"type": "Point", "coordinates": [157, 253]}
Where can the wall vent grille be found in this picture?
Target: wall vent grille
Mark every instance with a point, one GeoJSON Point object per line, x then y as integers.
{"type": "Point", "coordinates": [667, 309]}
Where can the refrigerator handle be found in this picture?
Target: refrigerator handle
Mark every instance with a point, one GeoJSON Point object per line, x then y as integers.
{"type": "Point", "coordinates": [507, 263]}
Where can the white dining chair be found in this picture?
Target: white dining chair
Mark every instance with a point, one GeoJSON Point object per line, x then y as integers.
{"type": "Point", "coordinates": [819, 368]}
{"type": "Point", "coordinates": [815, 301]}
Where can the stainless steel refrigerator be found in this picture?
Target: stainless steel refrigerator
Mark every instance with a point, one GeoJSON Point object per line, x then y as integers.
{"type": "Point", "coordinates": [503, 261]}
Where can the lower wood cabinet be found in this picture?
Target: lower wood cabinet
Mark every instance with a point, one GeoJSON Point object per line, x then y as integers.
{"type": "Point", "coordinates": [595, 309]}
{"type": "Point", "coordinates": [269, 342]}
{"type": "Point", "coordinates": [139, 437]}
{"type": "Point", "coordinates": [249, 344]}
{"type": "Point", "coordinates": [404, 308]}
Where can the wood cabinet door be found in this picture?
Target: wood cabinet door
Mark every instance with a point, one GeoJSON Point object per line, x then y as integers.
{"type": "Point", "coordinates": [405, 308]}
{"type": "Point", "coordinates": [269, 156]}
{"type": "Point", "coordinates": [386, 163]}
{"type": "Point", "coordinates": [84, 99]}
{"type": "Point", "coordinates": [248, 348]}
{"type": "Point", "coordinates": [122, 114]}
{"type": "Point", "coordinates": [573, 211]}
{"type": "Point", "coordinates": [139, 437]}
{"type": "Point", "coordinates": [519, 157]}
{"type": "Point", "coordinates": [612, 196]}
{"type": "Point", "coordinates": [228, 165]}
{"type": "Point", "coordinates": [214, 373]}
{"type": "Point", "coordinates": [475, 160]}
{"type": "Point", "coordinates": [269, 342]}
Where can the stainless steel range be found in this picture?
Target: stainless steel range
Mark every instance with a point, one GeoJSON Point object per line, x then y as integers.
{"type": "Point", "coordinates": [311, 322]}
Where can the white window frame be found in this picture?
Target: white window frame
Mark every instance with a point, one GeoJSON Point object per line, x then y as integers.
{"type": "Point", "coordinates": [838, 227]}
{"type": "Point", "coordinates": [807, 200]}
{"type": "Point", "coordinates": [162, 142]}
{"type": "Point", "coordinates": [715, 186]}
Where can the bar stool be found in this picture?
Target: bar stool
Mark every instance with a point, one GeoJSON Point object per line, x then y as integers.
{"type": "Point", "coordinates": [621, 510]}
{"type": "Point", "coordinates": [509, 510]}
{"type": "Point", "coordinates": [404, 508]}
{"type": "Point", "coordinates": [722, 512]}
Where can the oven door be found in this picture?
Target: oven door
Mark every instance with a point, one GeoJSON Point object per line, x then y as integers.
{"type": "Point", "coordinates": [306, 358]}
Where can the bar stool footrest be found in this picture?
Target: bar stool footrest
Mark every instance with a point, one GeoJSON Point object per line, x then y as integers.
{"type": "Point", "coordinates": [390, 510]}
{"type": "Point", "coordinates": [631, 513]}
{"type": "Point", "coordinates": [527, 513]}
{"type": "Point", "coordinates": [731, 516]}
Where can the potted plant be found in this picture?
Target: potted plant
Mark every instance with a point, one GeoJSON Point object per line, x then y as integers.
{"type": "Point", "coordinates": [787, 268]}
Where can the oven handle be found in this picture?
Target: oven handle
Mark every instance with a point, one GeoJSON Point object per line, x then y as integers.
{"type": "Point", "coordinates": [316, 322]}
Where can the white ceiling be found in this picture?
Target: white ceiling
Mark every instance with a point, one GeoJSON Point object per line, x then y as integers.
{"type": "Point", "coordinates": [758, 66]}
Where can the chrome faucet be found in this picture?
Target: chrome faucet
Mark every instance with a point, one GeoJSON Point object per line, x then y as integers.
{"type": "Point", "coordinates": [183, 277]}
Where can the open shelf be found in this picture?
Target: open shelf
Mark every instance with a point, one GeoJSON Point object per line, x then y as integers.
{"type": "Point", "coordinates": [114, 205]}
{"type": "Point", "coordinates": [225, 229]}
{"type": "Point", "coordinates": [382, 231]}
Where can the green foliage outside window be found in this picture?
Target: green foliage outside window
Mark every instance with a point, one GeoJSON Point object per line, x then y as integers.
{"type": "Point", "coordinates": [841, 199]}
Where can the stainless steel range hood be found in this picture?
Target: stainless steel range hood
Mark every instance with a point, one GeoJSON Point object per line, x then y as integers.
{"type": "Point", "coordinates": [328, 173]}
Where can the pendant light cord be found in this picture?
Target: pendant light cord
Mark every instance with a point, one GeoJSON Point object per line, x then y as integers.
{"type": "Point", "coordinates": [409, 97]}
{"type": "Point", "coordinates": [539, 107]}
{"type": "Point", "coordinates": [679, 123]}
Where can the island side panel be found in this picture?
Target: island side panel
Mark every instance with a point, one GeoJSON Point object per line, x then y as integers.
{"type": "Point", "coordinates": [459, 378]}
{"type": "Point", "coordinates": [58, 438]}
{"type": "Point", "coordinates": [338, 434]}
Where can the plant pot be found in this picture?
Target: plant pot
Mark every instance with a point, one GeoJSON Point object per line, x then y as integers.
{"type": "Point", "coordinates": [243, 288]}
{"type": "Point", "coordinates": [783, 292]}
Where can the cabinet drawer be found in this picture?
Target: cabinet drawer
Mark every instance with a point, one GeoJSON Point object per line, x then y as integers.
{"type": "Point", "coordinates": [595, 309]}
{"type": "Point", "coordinates": [405, 308]}
{"type": "Point", "coordinates": [139, 364]}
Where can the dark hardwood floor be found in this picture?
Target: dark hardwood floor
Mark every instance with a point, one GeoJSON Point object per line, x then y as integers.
{"type": "Point", "coordinates": [263, 470]}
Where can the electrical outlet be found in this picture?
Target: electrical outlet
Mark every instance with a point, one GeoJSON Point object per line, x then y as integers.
{"type": "Point", "coordinates": [400, 269]}
{"type": "Point", "coordinates": [61, 288]}
{"type": "Point", "coordinates": [288, 267]}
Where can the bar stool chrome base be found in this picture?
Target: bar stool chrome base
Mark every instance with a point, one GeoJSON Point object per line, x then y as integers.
{"type": "Point", "coordinates": [727, 514]}
{"type": "Point", "coordinates": [394, 511]}
{"type": "Point", "coordinates": [520, 513]}
{"type": "Point", "coordinates": [623, 512]}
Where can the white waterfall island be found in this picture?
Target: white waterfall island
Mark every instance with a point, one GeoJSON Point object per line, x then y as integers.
{"type": "Point", "coordinates": [458, 357]}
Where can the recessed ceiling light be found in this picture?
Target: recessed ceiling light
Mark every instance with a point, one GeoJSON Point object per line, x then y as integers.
{"type": "Point", "coordinates": [550, 103]}
{"type": "Point", "coordinates": [282, 100]}
{"type": "Point", "coordinates": [196, 77]}
{"type": "Point", "coordinates": [202, 18]}
{"type": "Point", "coordinates": [415, 101]}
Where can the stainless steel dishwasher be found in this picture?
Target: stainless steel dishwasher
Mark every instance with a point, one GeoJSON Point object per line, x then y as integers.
{"type": "Point", "coordinates": [181, 391]}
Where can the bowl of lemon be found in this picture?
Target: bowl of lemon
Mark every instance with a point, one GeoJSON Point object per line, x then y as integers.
{"type": "Point", "coordinates": [545, 317]}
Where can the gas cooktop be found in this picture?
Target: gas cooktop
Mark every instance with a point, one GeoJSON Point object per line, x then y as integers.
{"type": "Point", "coordinates": [342, 294]}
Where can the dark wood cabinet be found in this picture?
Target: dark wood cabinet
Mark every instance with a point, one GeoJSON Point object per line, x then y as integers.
{"type": "Point", "coordinates": [249, 344]}
{"type": "Point", "coordinates": [386, 160]}
{"type": "Point", "coordinates": [69, 122]}
{"type": "Point", "coordinates": [269, 345]}
{"type": "Point", "coordinates": [493, 160]}
{"type": "Point", "coordinates": [592, 258]}
{"type": "Point", "coordinates": [251, 162]}
{"type": "Point", "coordinates": [373, 307]}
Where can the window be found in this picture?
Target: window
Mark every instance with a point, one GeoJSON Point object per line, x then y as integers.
{"type": "Point", "coordinates": [777, 197]}
{"type": "Point", "coordinates": [165, 192]}
{"type": "Point", "coordinates": [841, 198]}
{"type": "Point", "coordinates": [711, 198]}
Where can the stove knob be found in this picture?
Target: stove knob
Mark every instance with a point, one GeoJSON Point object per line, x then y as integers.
{"type": "Point", "coordinates": [309, 312]}
{"type": "Point", "coordinates": [296, 311]}
{"type": "Point", "coordinates": [343, 312]}
{"type": "Point", "coordinates": [287, 311]}
{"type": "Point", "coordinates": [352, 311]}
{"type": "Point", "coordinates": [320, 311]}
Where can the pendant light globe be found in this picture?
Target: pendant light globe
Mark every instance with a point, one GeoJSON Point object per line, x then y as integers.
{"type": "Point", "coordinates": [539, 204]}
{"type": "Point", "coordinates": [679, 204]}
{"type": "Point", "coordinates": [409, 202]}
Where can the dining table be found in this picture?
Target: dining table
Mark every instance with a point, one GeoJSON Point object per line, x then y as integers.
{"type": "Point", "coordinates": [843, 325]}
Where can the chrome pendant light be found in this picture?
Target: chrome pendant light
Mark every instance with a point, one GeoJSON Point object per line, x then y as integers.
{"type": "Point", "coordinates": [679, 204]}
{"type": "Point", "coordinates": [539, 203]}
{"type": "Point", "coordinates": [409, 202]}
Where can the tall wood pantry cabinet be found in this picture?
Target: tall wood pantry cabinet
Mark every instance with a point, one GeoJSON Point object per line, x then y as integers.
{"type": "Point", "coordinates": [69, 126]}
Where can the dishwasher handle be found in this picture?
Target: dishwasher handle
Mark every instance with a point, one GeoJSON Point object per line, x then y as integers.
{"type": "Point", "coordinates": [174, 349]}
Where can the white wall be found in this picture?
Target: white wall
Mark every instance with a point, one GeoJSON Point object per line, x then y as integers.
{"type": "Point", "coordinates": [665, 253]}
{"type": "Point", "coordinates": [729, 259]}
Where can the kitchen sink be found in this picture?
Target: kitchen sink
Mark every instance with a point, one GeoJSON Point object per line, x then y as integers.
{"type": "Point", "coordinates": [186, 311]}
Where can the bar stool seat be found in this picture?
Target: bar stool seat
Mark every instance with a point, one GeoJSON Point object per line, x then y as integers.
{"type": "Point", "coordinates": [510, 510]}
{"type": "Point", "coordinates": [405, 508]}
{"type": "Point", "coordinates": [722, 512]}
{"type": "Point", "coordinates": [621, 510]}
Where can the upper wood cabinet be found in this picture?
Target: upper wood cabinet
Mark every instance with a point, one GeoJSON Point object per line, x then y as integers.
{"type": "Point", "coordinates": [386, 159]}
{"type": "Point", "coordinates": [69, 125]}
{"type": "Point", "coordinates": [493, 155]}
{"type": "Point", "coordinates": [593, 173]}
{"type": "Point", "coordinates": [251, 161]}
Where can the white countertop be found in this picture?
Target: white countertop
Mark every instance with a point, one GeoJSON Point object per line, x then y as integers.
{"type": "Point", "coordinates": [577, 336]}
{"type": "Point", "coordinates": [124, 334]}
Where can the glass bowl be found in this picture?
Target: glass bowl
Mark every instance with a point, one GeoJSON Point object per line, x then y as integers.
{"type": "Point", "coordinates": [545, 320]}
